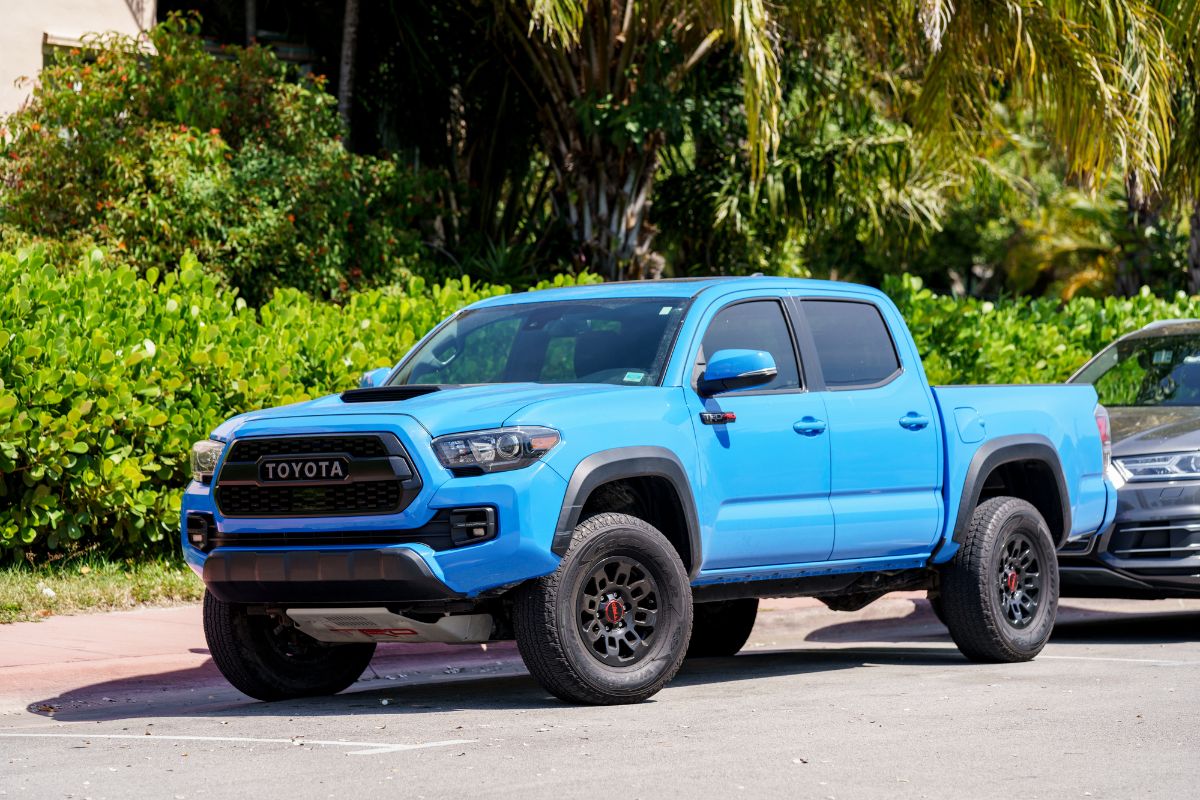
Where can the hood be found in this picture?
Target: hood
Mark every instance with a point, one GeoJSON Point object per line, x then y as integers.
{"type": "Point", "coordinates": [1146, 430]}
{"type": "Point", "coordinates": [445, 411]}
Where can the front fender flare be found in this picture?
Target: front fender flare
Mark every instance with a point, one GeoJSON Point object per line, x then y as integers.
{"type": "Point", "coordinates": [627, 462]}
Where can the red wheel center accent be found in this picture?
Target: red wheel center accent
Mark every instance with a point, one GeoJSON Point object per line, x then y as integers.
{"type": "Point", "coordinates": [614, 611]}
{"type": "Point", "coordinates": [1010, 581]}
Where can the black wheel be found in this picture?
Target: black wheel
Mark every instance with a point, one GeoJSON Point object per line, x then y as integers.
{"type": "Point", "coordinates": [936, 604]}
{"type": "Point", "coordinates": [1000, 592]}
{"type": "Point", "coordinates": [611, 624]}
{"type": "Point", "coordinates": [721, 628]}
{"type": "Point", "coordinates": [270, 661]}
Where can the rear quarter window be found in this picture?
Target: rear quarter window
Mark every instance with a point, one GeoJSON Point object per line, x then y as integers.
{"type": "Point", "coordinates": [854, 346]}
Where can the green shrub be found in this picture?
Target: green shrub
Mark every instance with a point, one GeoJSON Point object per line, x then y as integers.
{"type": "Point", "coordinates": [1020, 340]}
{"type": "Point", "coordinates": [150, 156]}
{"type": "Point", "coordinates": [107, 376]}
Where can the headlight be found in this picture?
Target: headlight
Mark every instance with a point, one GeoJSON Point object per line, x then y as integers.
{"type": "Point", "coordinates": [495, 450]}
{"type": "Point", "coordinates": [1167, 467]}
{"type": "Point", "coordinates": [205, 455]}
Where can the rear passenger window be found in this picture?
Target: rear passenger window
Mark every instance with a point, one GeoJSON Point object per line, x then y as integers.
{"type": "Point", "coordinates": [756, 325]}
{"type": "Point", "coordinates": [853, 343]}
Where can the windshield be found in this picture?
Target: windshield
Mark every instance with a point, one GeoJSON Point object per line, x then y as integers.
{"type": "Point", "coordinates": [1156, 371]}
{"type": "Point", "coordinates": [619, 341]}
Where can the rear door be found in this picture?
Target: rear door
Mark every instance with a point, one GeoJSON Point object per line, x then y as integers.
{"type": "Point", "coordinates": [885, 449]}
{"type": "Point", "coordinates": [766, 472]}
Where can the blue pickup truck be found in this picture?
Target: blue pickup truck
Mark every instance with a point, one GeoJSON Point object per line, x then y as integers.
{"type": "Point", "coordinates": [614, 475]}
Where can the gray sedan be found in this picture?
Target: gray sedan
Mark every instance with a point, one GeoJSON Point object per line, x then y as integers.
{"type": "Point", "coordinates": [1150, 383]}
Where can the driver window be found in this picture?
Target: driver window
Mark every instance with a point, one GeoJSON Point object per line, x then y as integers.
{"type": "Point", "coordinates": [756, 325]}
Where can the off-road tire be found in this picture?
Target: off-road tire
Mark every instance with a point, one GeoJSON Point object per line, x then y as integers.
{"type": "Point", "coordinates": [973, 584]}
{"type": "Point", "coordinates": [268, 661]}
{"type": "Point", "coordinates": [549, 615]}
{"type": "Point", "coordinates": [936, 605]}
{"type": "Point", "coordinates": [721, 628]}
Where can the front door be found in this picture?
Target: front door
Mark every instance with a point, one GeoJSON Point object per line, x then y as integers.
{"type": "Point", "coordinates": [883, 431]}
{"type": "Point", "coordinates": [767, 471]}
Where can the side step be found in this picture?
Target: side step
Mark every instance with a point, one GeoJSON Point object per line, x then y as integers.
{"type": "Point", "coordinates": [381, 625]}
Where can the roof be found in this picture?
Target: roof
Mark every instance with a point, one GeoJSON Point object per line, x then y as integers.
{"type": "Point", "coordinates": [1166, 327]}
{"type": "Point", "coordinates": [669, 287]}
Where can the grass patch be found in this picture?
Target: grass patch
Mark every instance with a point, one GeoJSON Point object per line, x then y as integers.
{"type": "Point", "coordinates": [85, 585]}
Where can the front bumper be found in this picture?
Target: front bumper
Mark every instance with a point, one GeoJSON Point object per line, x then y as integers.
{"type": "Point", "coordinates": [244, 564]}
{"type": "Point", "coordinates": [383, 576]}
{"type": "Point", "coordinates": [1152, 550]}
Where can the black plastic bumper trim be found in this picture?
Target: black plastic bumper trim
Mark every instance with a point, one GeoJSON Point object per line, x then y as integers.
{"type": "Point", "coordinates": [387, 575]}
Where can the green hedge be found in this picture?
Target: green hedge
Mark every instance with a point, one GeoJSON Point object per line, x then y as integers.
{"type": "Point", "coordinates": [1021, 340]}
{"type": "Point", "coordinates": [106, 378]}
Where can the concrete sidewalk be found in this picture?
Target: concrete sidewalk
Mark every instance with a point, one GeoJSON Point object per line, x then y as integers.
{"type": "Point", "coordinates": [63, 655]}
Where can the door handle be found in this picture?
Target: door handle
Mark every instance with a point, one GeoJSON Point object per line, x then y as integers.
{"type": "Point", "coordinates": [913, 421]}
{"type": "Point", "coordinates": [810, 426]}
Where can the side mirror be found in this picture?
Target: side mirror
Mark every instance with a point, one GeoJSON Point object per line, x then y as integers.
{"type": "Point", "coordinates": [374, 378]}
{"type": "Point", "coordinates": [729, 370]}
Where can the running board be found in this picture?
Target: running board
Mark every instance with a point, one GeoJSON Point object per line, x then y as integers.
{"type": "Point", "coordinates": [381, 625]}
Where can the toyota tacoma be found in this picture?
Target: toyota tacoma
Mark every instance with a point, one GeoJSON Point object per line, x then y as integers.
{"type": "Point", "coordinates": [614, 475]}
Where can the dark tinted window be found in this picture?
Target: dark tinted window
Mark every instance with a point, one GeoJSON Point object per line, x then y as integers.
{"type": "Point", "coordinates": [853, 343]}
{"type": "Point", "coordinates": [622, 341]}
{"type": "Point", "coordinates": [1157, 371]}
{"type": "Point", "coordinates": [758, 325]}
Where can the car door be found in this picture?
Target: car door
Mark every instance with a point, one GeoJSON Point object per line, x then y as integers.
{"type": "Point", "coordinates": [766, 470]}
{"type": "Point", "coordinates": [885, 450]}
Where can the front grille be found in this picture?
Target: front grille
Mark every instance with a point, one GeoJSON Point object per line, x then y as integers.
{"type": "Point", "coordinates": [379, 478]}
{"type": "Point", "coordinates": [354, 446]}
{"type": "Point", "coordinates": [372, 497]}
{"type": "Point", "coordinates": [1156, 540]}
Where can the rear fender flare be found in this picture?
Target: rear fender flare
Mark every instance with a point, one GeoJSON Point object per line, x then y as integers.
{"type": "Point", "coordinates": [1005, 450]}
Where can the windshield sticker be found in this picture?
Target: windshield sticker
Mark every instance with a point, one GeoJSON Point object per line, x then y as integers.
{"type": "Point", "coordinates": [665, 310]}
{"type": "Point", "coordinates": [1163, 356]}
{"type": "Point", "coordinates": [634, 377]}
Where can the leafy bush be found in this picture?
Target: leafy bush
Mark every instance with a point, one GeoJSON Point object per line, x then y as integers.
{"type": "Point", "coordinates": [154, 155]}
{"type": "Point", "coordinates": [1021, 340]}
{"type": "Point", "coordinates": [107, 376]}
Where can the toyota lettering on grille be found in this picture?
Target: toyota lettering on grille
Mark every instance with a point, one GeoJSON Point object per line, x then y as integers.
{"type": "Point", "coordinates": [291, 470]}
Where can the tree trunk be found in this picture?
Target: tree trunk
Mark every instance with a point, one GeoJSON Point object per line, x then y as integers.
{"type": "Point", "coordinates": [604, 182]}
{"type": "Point", "coordinates": [1142, 211]}
{"type": "Point", "coordinates": [346, 72]}
{"type": "Point", "coordinates": [251, 21]}
{"type": "Point", "coordinates": [605, 196]}
{"type": "Point", "coordinates": [1194, 249]}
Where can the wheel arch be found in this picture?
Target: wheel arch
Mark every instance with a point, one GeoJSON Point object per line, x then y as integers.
{"type": "Point", "coordinates": [647, 465]}
{"type": "Point", "coordinates": [1023, 466]}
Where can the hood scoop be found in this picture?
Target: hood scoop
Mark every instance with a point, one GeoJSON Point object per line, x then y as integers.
{"type": "Point", "coordinates": [387, 394]}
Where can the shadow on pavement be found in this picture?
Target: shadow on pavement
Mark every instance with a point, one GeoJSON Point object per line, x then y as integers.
{"type": "Point", "coordinates": [168, 694]}
{"type": "Point", "coordinates": [496, 680]}
{"type": "Point", "coordinates": [1074, 625]}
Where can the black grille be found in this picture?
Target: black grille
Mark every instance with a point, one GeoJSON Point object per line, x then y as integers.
{"type": "Point", "coordinates": [370, 497]}
{"type": "Point", "coordinates": [355, 446]}
{"type": "Point", "coordinates": [436, 533]}
{"type": "Point", "coordinates": [1155, 540]}
{"type": "Point", "coordinates": [379, 479]}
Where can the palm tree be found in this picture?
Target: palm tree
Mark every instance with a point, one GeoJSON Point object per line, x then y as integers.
{"type": "Point", "coordinates": [1098, 72]}
{"type": "Point", "coordinates": [610, 72]}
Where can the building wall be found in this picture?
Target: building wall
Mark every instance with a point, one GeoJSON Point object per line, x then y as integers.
{"type": "Point", "coordinates": [26, 24]}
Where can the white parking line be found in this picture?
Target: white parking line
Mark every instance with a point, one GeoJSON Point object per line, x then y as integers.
{"type": "Point", "coordinates": [1121, 660]}
{"type": "Point", "coordinates": [367, 748]}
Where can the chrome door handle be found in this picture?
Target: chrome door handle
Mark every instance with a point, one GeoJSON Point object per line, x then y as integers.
{"type": "Point", "coordinates": [913, 421]}
{"type": "Point", "coordinates": [810, 426]}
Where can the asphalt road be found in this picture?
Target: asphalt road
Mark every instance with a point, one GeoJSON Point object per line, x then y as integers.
{"type": "Point", "coordinates": [865, 705]}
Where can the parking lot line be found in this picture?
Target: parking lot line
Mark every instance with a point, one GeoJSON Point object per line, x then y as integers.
{"type": "Point", "coordinates": [365, 748]}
